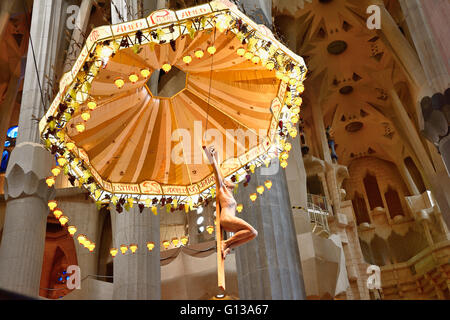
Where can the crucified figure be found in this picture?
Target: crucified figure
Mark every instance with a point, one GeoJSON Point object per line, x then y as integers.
{"type": "Point", "coordinates": [243, 232]}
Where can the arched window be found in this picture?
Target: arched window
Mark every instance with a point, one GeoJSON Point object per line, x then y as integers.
{"type": "Point", "coordinates": [415, 174]}
{"type": "Point", "coordinates": [373, 192]}
{"type": "Point", "coordinates": [393, 202]}
{"type": "Point", "coordinates": [5, 159]}
{"type": "Point", "coordinates": [359, 205]}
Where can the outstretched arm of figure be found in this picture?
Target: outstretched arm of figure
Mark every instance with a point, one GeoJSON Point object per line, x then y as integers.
{"type": "Point", "coordinates": [214, 159]}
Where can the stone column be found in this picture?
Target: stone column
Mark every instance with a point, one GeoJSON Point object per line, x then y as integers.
{"type": "Point", "coordinates": [137, 276]}
{"type": "Point", "coordinates": [26, 192]}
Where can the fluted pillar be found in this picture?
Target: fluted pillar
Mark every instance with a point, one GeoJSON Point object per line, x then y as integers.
{"type": "Point", "coordinates": [137, 276]}
{"type": "Point", "coordinates": [26, 193]}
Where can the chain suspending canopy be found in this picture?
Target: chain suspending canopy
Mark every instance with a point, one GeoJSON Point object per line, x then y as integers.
{"type": "Point", "coordinates": [118, 140]}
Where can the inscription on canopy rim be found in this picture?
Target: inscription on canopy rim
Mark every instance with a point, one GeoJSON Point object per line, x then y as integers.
{"type": "Point", "coordinates": [161, 17]}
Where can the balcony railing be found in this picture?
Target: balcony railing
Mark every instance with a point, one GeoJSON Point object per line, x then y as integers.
{"type": "Point", "coordinates": [318, 213]}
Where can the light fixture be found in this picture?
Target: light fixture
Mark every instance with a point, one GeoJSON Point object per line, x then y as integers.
{"type": "Point", "coordinates": [239, 207]}
{"type": "Point", "coordinates": [248, 55]}
{"type": "Point", "coordinates": [113, 252]}
{"type": "Point", "coordinates": [56, 171]}
{"type": "Point", "coordinates": [300, 88]}
{"type": "Point", "coordinates": [80, 127]}
{"type": "Point", "coordinates": [187, 59]}
{"type": "Point", "coordinates": [199, 53]}
{"type": "Point", "coordinates": [256, 59]}
{"type": "Point", "coordinates": [166, 67]}
{"type": "Point", "coordinates": [287, 146]}
{"type": "Point", "coordinates": [119, 82]}
{"type": "Point", "coordinates": [91, 246]}
{"type": "Point", "coordinates": [85, 115]}
{"type": "Point", "coordinates": [260, 189]}
{"type": "Point", "coordinates": [298, 101]}
{"type": "Point", "coordinates": [292, 81]}
{"type": "Point", "coordinates": [175, 241]}
{"type": "Point", "coordinates": [295, 110]}
{"type": "Point", "coordinates": [133, 247]}
{"type": "Point", "coordinates": [295, 119]}
{"type": "Point", "coordinates": [155, 210]}
{"type": "Point", "coordinates": [114, 199]}
{"type": "Point", "coordinates": [150, 245]}
{"type": "Point", "coordinates": [50, 181]}
{"type": "Point", "coordinates": [284, 156]}
{"type": "Point", "coordinates": [293, 132]}
{"type": "Point", "coordinates": [285, 78]}
{"type": "Point", "coordinates": [184, 240]}
{"type": "Point", "coordinates": [210, 229]}
{"type": "Point", "coordinates": [63, 220]}
{"type": "Point", "coordinates": [81, 238]}
{"type": "Point", "coordinates": [252, 168]}
{"type": "Point", "coordinates": [72, 230]}
{"type": "Point", "coordinates": [86, 243]}
{"type": "Point", "coordinates": [52, 204]}
{"type": "Point", "coordinates": [253, 197]}
{"type": "Point", "coordinates": [240, 52]}
{"type": "Point", "coordinates": [279, 75]}
{"type": "Point", "coordinates": [70, 146]}
{"type": "Point", "coordinates": [133, 78]}
{"type": "Point", "coordinates": [212, 50]}
{"type": "Point", "coordinates": [106, 52]}
{"type": "Point", "coordinates": [92, 105]}
{"type": "Point", "coordinates": [123, 248]}
{"type": "Point", "coordinates": [283, 164]}
{"type": "Point", "coordinates": [268, 184]}
{"type": "Point", "coordinates": [145, 73]}
{"type": "Point", "coordinates": [166, 244]}
{"type": "Point", "coordinates": [62, 161]}
{"type": "Point", "coordinates": [270, 65]}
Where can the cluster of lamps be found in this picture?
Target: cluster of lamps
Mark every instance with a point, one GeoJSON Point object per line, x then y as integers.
{"type": "Point", "coordinates": [85, 242]}
{"type": "Point", "coordinates": [150, 246]}
{"type": "Point", "coordinates": [134, 77]}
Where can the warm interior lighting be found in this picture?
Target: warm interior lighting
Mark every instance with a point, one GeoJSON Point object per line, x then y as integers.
{"type": "Point", "coordinates": [199, 53]}
{"type": "Point", "coordinates": [295, 110]}
{"type": "Point", "coordinates": [145, 73]}
{"type": "Point", "coordinates": [113, 252]}
{"type": "Point", "coordinates": [184, 240]}
{"type": "Point", "coordinates": [284, 156]}
{"type": "Point", "coordinates": [70, 145]}
{"type": "Point", "coordinates": [91, 247]}
{"type": "Point", "coordinates": [119, 82]}
{"type": "Point", "coordinates": [298, 101]}
{"type": "Point", "coordinates": [300, 88]}
{"type": "Point", "coordinates": [133, 247]}
{"type": "Point", "coordinates": [187, 59]}
{"type": "Point", "coordinates": [166, 244]}
{"type": "Point", "coordinates": [123, 248]}
{"type": "Point", "coordinates": [72, 230]}
{"type": "Point", "coordinates": [212, 50]}
{"type": "Point", "coordinates": [166, 67]}
{"type": "Point", "coordinates": [239, 207]}
{"type": "Point", "coordinates": [279, 75]}
{"type": "Point", "coordinates": [155, 210]}
{"type": "Point", "coordinates": [92, 105]}
{"type": "Point", "coordinates": [292, 81]}
{"type": "Point", "coordinates": [133, 78]}
{"type": "Point", "coordinates": [56, 171]}
{"type": "Point", "coordinates": [81, 238]}
{"type": "Point", "coordinates": [150, 245]}
{"type": "Point", "coordinates": [57, 213]}
{"type": "Point", "coordinates": [270, 65]}
{"type": "Point", "coordinates": [260, 189]}
{"type": "Point", "coordinates": [288, 146]}
{"type": "Point", "coordinates": [62, 161]}
{"type": "Point", "coordinates": [175, 241]}
{"type": "Point", "coordinates": [293, 132]}
{"type": "Point", "coordinates": [86, 115]}
{"type": "Point", "coordinates": [210, 229]}
{"type": "Point", "coordinates": [80, 127]}
{"type": "Point", "coordinates": [256, 59]}
{"type": "Point", "coordinates": [63, 220]}
{"type": "Point", "coordinates": [52, 204]}
{"type": "Point", "coordinates": [283, 164]}
{"type": "Point", "coordinates": [252, 168]}
{"type": "Point", "coordinates": [50, 181]}
{"type": "Point", "coordinates": [295, 119]}
{"type": "Point", "coordinates": [268, 184]}
{"type": "Point", "coordinates": [248, 55]}
{"type": "Point", "coordinates": [240, 52]}
{"type": "Point", "coordinates": [253, 197]}
{"type": "Point", "coordinates": [86, 243]}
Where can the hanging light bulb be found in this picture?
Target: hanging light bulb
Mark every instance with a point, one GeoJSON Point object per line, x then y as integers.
{"type": "Point", "coordinates": [260, 189]}
{"type": "Point", "coordinates": [150, 245]}
{"type": "Point", "coordinates": [287, 146]}
{"type": "Point", "coordinates": [72, 230]}
{"type": "Point", "coordinates": [85, 115]}
{"type": "Point", "coordinates": [248, 55]}
{"type": "Point", "coordinates": [187, 59]}
{"type": "Point", "coordinates": [293, 132]}
{"type": "Point", "coordinates": [212, 50]}
{"type": "Point", "coordinates": [298, 101]}
{"type": "Point", "coordinates": [184, 240]}
{"type": "Point", "coordinates": [295, 110]}
{"type": "Point", "coordinates": [91, 247]}
{"type": "Point", "coordinates": [86, 243]}
{"type": "Point", "coordinates": [133, 247]}
{"type": "Point", "coordinates": [210, 229]}
{"type": "Point", "coordinates": [145, 73]}
{"type": "Point", "coordinates": [166, 67]}
{"type": "Point", "coordinates": [81, 238]}
{"type": "Point", "coordinates": [240, 52]}
{"type": "Point", "coordinates": [63, 220]}
{"type": "Point", "coordinates": [123, 248]}
{"type": "Point", "coordinates": [56, 171]}
{"type": "Point", "coordinates": [155, 210]}
{"type": "Point", "coordinates": [50, 181]}
{"type": "Point", "coordinates": [279, 75]}
{"type": "Point", "coordinates": [80, 127]}
{"type": "Point", "coordinates": [199, 53]}
{"type": "Point", "coordinates": [57, 213]}
{"type": "Point", "coordinates": [114, 199]}
{"type": "Point", "coordinates": [292, 81]}
{"type": "Point", "coordinates": [119, 82]}
{"type": "Point", "coordinates": [283, 164]}
{"type": "Point", "coordinates": [148, 203]}
{"type": "Point", "coordinates": [239, 207]}
{"type": "Point", "coordinates": [268, 184]}
{"type": "Point", "coordinates": [285, 78]}
{"type": "Point", "coordinates": [295, 119]}
{"type": "Point", "coordinates": [62, 161]}
{"type": "Point", "coordinates": [52, 204]}
{"type": "Point", "coordinates": [133, 78]}
{"type": "Point", "coordinates": [166, 244]}
{"type": "Point", "coordinates": [253, 197]}
{"type": "Point", "coordinates": [270, 65]}
{"type": "Point", "coordinates": [300, 88]}
{"type": "Point", "coordinates": [70, 145]}
{"type": "Point", "coordinates": [256, 59]}
{"type": "Point", "coordinates": [113, 252]}
{"type": "Point", "coordinates": [175, 241]}
{"type": "Point", "coordinates": [252, 168]}
{"type": "Point", "coordinates": [284, 156]}
{"type": "Point", "coordinates": [92, 105]}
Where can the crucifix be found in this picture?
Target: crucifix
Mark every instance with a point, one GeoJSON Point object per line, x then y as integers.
{"type": "Point", "coordinates": [226, 218]}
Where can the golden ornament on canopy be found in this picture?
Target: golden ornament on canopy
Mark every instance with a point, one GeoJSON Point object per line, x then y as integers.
{"type": "Point", "coordinates": [236, 74]}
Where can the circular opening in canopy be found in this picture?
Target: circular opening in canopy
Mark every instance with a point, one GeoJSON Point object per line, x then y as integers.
{"type": "Point", "coordinates": [169, 83]}
{"type": "Point", "coordinates": [337, 47]}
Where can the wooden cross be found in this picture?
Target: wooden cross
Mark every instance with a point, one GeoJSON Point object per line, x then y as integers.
{"type": "Point", "coordinates": [210, 154]}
